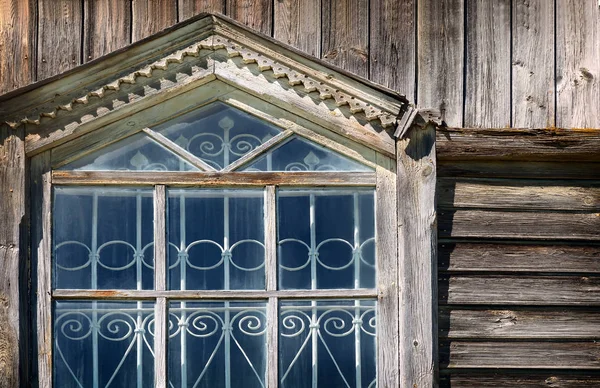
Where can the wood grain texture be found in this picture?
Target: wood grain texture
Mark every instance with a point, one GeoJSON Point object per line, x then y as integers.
{"type": "Point", "coordinates": [189, 8]}
{"type": "Point", "coordinates": [522, 225]}
{"type": "Point", "coordinates": [270, 221]}
{"type": "Point", "coordinates": [577, 63]}
{"type": "Point", "coordinates": [150, 16]}
{"type": "Point", "coordinates": [160, 238]}
{"type": "Point", "coordinates": [417, 260]}
{"type": "Point", "coordinates": [511, 257]}
{"type": "Point", "coordinates": [546, 324]}
{"type": "Point", "coordinates": [519, 170]}
{"type": "Point", "coordinates": [533, 54]}
{"type": "Point", "coordinates": [256, 14]}
{"type": "Point", "coordinates": [59, 36]}
{"type": "Point", "coordinates": [441, 56]}
{"type": "Point", "coordinates": [298, 23]}
{"type": "Point", "coordinates": [487, 83]}
{"type": "Point", "coordinates": [13, 228]}
{"type": "Point", "coordinates": [17, 43]}
{"type": "Point", "coordinates": [346, 35]}
{"type": "Point", "coordinates": [520, 290]}
{"type": "Point", "coordinates": [518, 194]}
{"type": "Point", "coordinates": [392, 44]}
{"type": "Point", "coordinates": [106, 27]}
{"type": "Point", "coordinates": [526, 379]}
{"type": "Point", "coordinates": [521, 355]}
{"type": "Point", "coordinates": [161, 335]}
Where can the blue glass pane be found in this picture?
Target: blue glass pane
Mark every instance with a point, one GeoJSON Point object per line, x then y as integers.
{"type": "Point", "coordinates": [135, 153]}
{"type": "Point", "coordinates": [217, 133]}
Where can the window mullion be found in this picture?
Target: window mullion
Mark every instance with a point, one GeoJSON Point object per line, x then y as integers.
{"type": "Point", "coordinates": [271, 283]}
{"type": "Point", "coordinates": [44, 256]}
{"type": "Point", "coordinates": [160, 283]}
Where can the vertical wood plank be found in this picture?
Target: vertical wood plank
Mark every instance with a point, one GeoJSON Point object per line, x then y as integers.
{"type": "Point", "coordinates": [298, 23]}
{"type": "Point", "coordinates": [17, 43]}
{"type": "Point", "coordinates": [441, 58]}
{"type": "Point", "coordinates": [189, 8]}
{"type": "Point", "coordinates": [256, 14]}
{"type": "Point", "coordinates": [160, 343]}
{"type": "Point", "coordinates": [417, 241]}
{"type": "Point", "coordinates": [59, 36]}
{"type": "Point", "coordinates": [106, 27]}
{"type": "Point", "coordinates": [273, 343]}
{"type": "Point", "coordinates": [487, 94]}
{"type": "Point", "coordinates": [346, 35]}
{"type": "Point", "coordinates": [533, 64]}
{"type": "Point", "coordinates": [160, 238]}
{"type": "Point", "coordinates": [578, 64]}
{"type": "Point", "coordinates": [270, 239]}
{"type": "Point", "coordinates": [13, 228]}
{"type": "Point", "coordinates": [387, 270]}
{"type": "Point", "coordinates": [149, 17]}
{"type": "Point", "coordinates": [392, 45]}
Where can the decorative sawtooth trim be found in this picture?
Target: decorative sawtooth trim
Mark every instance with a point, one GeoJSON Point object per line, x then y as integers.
{"type": "Point", "coordinates": [215, 42]}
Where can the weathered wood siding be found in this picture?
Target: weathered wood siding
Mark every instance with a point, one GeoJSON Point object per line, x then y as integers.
{"type": "Point", "coordinates": [505, 63]}
{"type": "Point", "coordinates": [518, 262]}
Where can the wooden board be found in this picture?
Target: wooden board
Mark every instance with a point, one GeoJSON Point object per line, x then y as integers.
{"type": "Point", "coordinates": [59, 36]}
{"type": "Point", "coordinates": [392, 45]}
{"type": "Point", "coordinates": [520, 290]}
{"type": "Point", "coordinates": [106, 27]}
{"type": "Point", "coordinates": [522, 225]}
{"type": "Point", "coordinates": [511, 257]}
{"type": "Point", "coordinates": [346, 35]}
{"type": "Point", "coordinates": [149, 17]}
{"type": "Point", "coordinates": [298, 23]}
{"type": "Point", "coordinates": [518, 194]}
{"type": "Point", "coordinates": [521, 355]}
{"type": "Point", "coordinates": [520, 324]}
{"type": "Point", "coordinates": [526, 379]}
{"type": "Point", "coordinates": [17, 43]}
{"type": "Point", "coordinates": [256, 14]}
{"type": "Point", "coordinates": [487, 83]}
{"type": "Point", "coordinates": [189, 8]}
{"type": "Point", "coordinates": [519, 170]}
{"type": "Point", "coordinates": [533, 54]}
{"type": "Point", "coordinates": [577, 63]}
{"type": "Point", "coordinates": [441, 56]}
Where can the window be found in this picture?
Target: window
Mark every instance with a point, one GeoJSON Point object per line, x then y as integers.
{"type": "Point", "coordinates": [218, 248]}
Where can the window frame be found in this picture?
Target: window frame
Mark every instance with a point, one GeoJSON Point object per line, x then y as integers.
{"type": "Point", "coordinates": [383, 180]}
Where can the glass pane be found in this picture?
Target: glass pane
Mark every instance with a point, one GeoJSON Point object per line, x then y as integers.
{"type": "Point", "coordinates": [103, 344]}
{"type": "Point", "coordinates": [303, 155]}
{"type": "Point", "coordinates": [216, 239]}
{"type": "Point", "coordinates": [135, 153]}
{"type": "Point", "coordinates": [217, 344]}
{"type": "Point", "coordinates": [326, 239]}
{"type": "Point", "coordinates": [218, 133]}
{"type": "Point", "coordinates": [103, 238]}
{"type": "Point", "coordinates": [330, 342]}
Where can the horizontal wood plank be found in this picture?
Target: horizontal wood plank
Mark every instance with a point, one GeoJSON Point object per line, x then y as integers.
{"type": "Point", "coordinates": [519, 170]}
{"type": "Point", "coordinates": [518, 194]}
{"type": "Point", "coordinates": [520, 290]}
{"type": "Point", "coordinates": [518, 144]}
{"type": "Point", "coordinates": [520, 355]}
{"type": "Point", "coordinates": [522, 225]}
{"type": "Point", "coordinates": [214, 179]}
{"type": "Point", "coordinates": [522, 380]}
{"type": "Point", "coordinates": [474, 257]}
{"type": "Point", "coordinates": [519, 324]}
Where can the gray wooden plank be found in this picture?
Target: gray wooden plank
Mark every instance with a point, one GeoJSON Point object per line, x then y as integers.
{"type": "Point", "coordinates": [392, 43]}
{"type": "Point", "coordinates": [18, 44]}
{"type": "Point", "coordinates": [161, 335]}
{"type": "Point", "coordinates": [556, 324]}
{"type": "Point", "coordinates": [518, 194]}
{"type": "Point", "coordinates": [519, 170]}
{"type": "Point", "coordinates": [532, 63]}
{"type": "Point", "coordinates": [189, 8]}
{"type": "Point", "coordinates": [149, 17]}
{"type": "Point", "coordinates": [417, 258]}
{"type": "Point", "coordinates": [521, 355]}
{"type": "Point", "coordinates": [487, 84]}
{"type": "Point", "coordinates": [526, 379]}
{"type": "Point", "coordinates": [345, 34]}
{"type": "Point", "coordinates": [160, 238]}
{"type": "Point", "coordinates": [273, 343]}
{"type": "Point", "coordinates": [577, 63]}
{"type": "Point", "coordinates": [256, 14]}
{"type": "Point", "coordinates": [211, 294]}
{"type": "Point", "coordinates": [520, 290]}
{"type": "Point", "coordinates": [59, 36]}
{"type": "Point", "coordinates": [106, 27]}
{"type": "Point", "coordinates": [511, 257]}
{"type": "Point", "coordinates": [521, 225]}
{"type": "Point", "coordinates": [298, 23]}
{"type": "Point", "coordinates": [270, 220]}
{"type": "Point", "coordinates": [441, 58]}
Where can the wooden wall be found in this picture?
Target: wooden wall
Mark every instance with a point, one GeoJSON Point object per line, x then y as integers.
{"type": "Point", "coordinates": [501, 63]}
